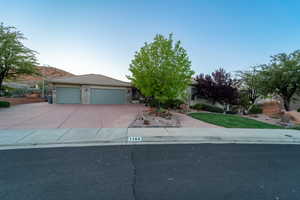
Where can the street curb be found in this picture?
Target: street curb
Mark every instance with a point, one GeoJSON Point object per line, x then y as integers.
{"type": "Point", "coordinates": [149, 142]}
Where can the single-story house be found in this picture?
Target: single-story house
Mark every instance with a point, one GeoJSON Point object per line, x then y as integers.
{"type": "Point", "coordinates": [99, 89]}
{"type": "Point", "coordinates": [90, 89]}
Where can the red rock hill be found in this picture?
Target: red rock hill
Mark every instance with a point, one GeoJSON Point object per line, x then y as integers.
{"type": "Point", "coordinates": [46, 73]}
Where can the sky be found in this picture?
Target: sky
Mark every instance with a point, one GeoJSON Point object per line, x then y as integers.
{"type": "Point", "coordinates": [101, 36]}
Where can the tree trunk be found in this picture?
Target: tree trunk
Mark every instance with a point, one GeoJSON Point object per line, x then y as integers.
{"type": "Point", "coordinates": [286, 103]}
{"type": "Point", "coordinates": [2, 76]}
{"type": "Point", "coordinates": [1, 82]}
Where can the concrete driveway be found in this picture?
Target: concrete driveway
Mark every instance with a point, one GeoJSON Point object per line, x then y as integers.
{"type": "Point", "coordinates": [43, 115]}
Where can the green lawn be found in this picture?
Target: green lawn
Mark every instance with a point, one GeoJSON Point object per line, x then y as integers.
{"type": "Point", "coordinates": [231, 121]}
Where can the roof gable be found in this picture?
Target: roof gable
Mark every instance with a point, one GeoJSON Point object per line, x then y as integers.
{"type": "Point", "coordinates": [92, 79]}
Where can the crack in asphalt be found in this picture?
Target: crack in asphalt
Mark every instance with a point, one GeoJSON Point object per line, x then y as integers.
{"type": "Point", "coordinates": [133, 184]}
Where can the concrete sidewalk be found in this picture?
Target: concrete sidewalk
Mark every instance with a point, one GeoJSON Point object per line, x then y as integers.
{"type": "Point", "coordinates": [38, 138]}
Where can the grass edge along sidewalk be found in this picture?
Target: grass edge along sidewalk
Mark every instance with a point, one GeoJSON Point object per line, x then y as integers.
{"type": "Point", "coordinates": [232, 121]}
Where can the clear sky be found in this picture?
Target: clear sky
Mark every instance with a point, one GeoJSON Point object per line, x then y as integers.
{"type": "Point", "coordinates": [101, 36]}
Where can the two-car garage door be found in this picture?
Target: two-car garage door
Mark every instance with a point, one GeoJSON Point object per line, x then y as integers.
{"type": "Point", "coordinates": [107, 96]}
{"type": "Point", "coordinates": [72, 95]}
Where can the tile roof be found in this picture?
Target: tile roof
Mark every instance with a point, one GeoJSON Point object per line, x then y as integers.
{"type": "Point", "coordinates": [92, 79]}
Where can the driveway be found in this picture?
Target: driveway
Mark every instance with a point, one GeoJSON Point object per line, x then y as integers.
{"type": "Point", "coordinates": [43, 115]}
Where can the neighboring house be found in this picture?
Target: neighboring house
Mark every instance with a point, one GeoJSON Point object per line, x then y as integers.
{"type": "Point", "coordinates": [14, 89]}
{"type": "Point", "coordinates": [36, 83]}
{"type": "Point", "coordinates": [16, 85]}
{"type": "Point", "coordinates": [90, 89]}
{"type": "Point", "coordinates": [191, 92]}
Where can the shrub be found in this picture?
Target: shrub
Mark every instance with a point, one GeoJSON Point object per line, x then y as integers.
{"type": "Point", "coordinates": [207, 107]}
{"type": "Point", "coordinates": [4, 104]}
{"type": "Point", "coordinates": [211, 108]}
{"type": "Point", "coordinates": [197, 106]}
{"type": "Point", "coordinates": [151, 102]}
{"type": "Point", "coordinates": [255, 109]}
{"type": "Point", "coordinates": [298, 110]}
{"type": "Point", "coordinates": [174, 103]}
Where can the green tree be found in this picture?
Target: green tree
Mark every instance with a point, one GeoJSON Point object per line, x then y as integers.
{"type": "Point", "coordinates": [15, 58]}
{"type": "Point", "coordinates": [249, 84]}
{"type": "Point", "coordinates": [161, 69]}
{"type": "Point", "coordinates": [282, 76]}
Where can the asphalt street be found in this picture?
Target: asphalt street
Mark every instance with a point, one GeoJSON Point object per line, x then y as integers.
{"type": "Point", "coordinates": [142, 172]}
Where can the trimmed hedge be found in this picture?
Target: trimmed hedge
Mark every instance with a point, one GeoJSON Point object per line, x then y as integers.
{"type": "Point", "coordinates": [255, 109]}
{"type": "Point", "coordinates": [4, 104]}
{"type": "Point", "coordinates": [298, 110]}
{"type": "Point", "coordinates": [207, 107]}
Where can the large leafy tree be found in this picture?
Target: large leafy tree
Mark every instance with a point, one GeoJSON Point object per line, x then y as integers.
{"type": "Point", "coordinates": [15, 58]}
{"type": "Point", "coordinates": [161, 69]}
{"type": "Point", "coordinates": [282, 76]}
{"type": "Point", "coordinates": [217, 87]}
{"type": "Point", "coordinates": [249, 83]}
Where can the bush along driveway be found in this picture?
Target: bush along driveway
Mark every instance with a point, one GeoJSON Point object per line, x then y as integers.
{"type": "Point", "coordinates": [232, 121]}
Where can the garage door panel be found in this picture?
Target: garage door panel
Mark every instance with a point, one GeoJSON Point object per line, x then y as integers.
{"type": "Point", "coordinates": [68, 95]}
{"type": "Point", "coordinates": [107, 96]}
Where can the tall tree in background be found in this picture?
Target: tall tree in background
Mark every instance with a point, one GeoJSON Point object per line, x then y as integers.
{"type": "Point", "coordinates": [218, 87]}
{"type": "Point", "coordinates": [282, 76]}
{"type": "Point", "coordinates": [15, 58]}
{"type": "Point", "coordinates": [161, 69]}
{"type": "Point", "coordinates": [249, 83]}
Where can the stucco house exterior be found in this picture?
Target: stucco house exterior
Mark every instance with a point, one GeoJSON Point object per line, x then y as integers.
{"type": "Point", "coordinates": [90, 89]}
{"type": "Point", "coordinates": [100, 89]}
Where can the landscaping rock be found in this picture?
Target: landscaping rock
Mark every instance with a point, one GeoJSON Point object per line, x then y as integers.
{"type": "Point", "coordinates": [154, 119]}
{"type": "Point", "coordinates": [272, 108]}
{"type": "Point", "coordinates": [294, 116]}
